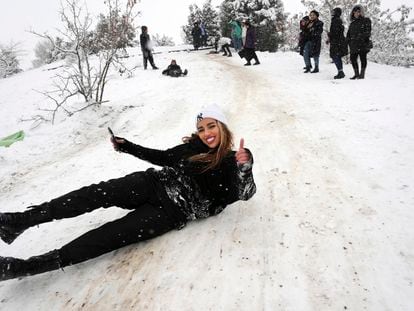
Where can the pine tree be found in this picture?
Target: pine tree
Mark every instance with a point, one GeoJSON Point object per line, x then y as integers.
{"type": "Point", "coordinates": [227, 14]}
{"type": "Point", "coordinates": [267, 15]}
{"type": "Point", "coordinates": [194, 16]}
{"type": "Point", "coordinates": [206, 15]}
{"type": "Point", "coordinates": [209, 17]}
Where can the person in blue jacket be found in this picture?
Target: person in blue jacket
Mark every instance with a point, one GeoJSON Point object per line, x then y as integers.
{"type": "Point", "coordinates": [197, 179]}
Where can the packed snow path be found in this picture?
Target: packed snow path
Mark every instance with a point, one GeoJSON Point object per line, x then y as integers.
{"type": "Point", "coordinates": [330, 227]}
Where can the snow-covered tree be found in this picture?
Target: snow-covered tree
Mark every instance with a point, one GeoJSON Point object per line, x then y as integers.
{"type": "Point", "coordinates": [292, 33]}
{"type": "Point", "coordinates": [113, 30]}
{"type": "Point", "coordinates": [227, 14]}
{"type": "Point", "coordinates": [47, 52]}
{"type": "Point", "coordinates": [210, 19]}
{"type": "Point", "coordinates": [9, 62]}
{"type": "Point", "coordinates": [266, 15]}
{"type": "Point", "coordinates": [390, 30]}
{"type": "Point", "coordinates": [194, 16]}
{"type": "Point", "coordinates": [206, 15]}
{"type": "Point", "coordinates": [163, 40]}
{"type": "Point", "coordinates": [86, 74]}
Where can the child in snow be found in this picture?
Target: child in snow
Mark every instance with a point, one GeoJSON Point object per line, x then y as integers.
{"type": "Point", "coordinates": [198, 179]}
{"type": "Point", "coordinates": [146, 48]}
{"type": "Point", "coordinates": [225, 46]}
{"type": "Point", "coordinates": [173, 70]}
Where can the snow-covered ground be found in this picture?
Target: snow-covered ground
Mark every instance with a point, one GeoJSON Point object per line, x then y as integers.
{"type": "Point", "coordinates": [330, 227]}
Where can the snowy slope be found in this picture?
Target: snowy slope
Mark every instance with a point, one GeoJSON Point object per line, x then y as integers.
{"type": "Point", "coordinates": [330, 227]}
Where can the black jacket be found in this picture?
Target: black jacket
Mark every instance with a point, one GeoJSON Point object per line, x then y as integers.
{"type": "Point", "coordinates": [172, 68]}
{"type": "Point", "coordinates": [181, 182]}
{"type": "Point", "coordinates": [314, 34]}
{"type": "Point", "coordinates": [143, 41]}
{"type": "Point", "coordinates": [338, 45]}
{"type": "Point", "coordinates": [359, 35]}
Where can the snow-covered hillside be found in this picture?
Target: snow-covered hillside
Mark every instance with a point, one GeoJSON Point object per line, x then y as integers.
{"type": "Point", "coordinates": [331, 224]}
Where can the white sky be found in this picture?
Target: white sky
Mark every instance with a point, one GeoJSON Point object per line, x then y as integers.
{"type": "Point", "coordinates": [161, 16]}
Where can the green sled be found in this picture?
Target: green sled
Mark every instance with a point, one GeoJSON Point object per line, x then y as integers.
{"type": "Point", "coordinates": [9, 140]}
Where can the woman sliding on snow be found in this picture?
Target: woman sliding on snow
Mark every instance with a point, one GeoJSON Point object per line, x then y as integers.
{"type": "Point", "coordinates": [198, 179]}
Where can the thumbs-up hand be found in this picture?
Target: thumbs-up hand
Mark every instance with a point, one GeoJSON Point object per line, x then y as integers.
{"type": "Point", "coordinates": [242, 156]}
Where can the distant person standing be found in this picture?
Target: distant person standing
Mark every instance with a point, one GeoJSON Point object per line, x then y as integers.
{"type": "Point", "coordinates": [336, 39]}
{"type": "Point", "coordinates": [196, 33]}
{"type": "Point", "coordinates": [236, 35]}
{"type": "Point", "coordinates": [146, 48]}
{"type": "Point", "coordinates": [204, 34]}
{"type": "Point", "coordinates": [312, 41]}
{"type": "Point", "coordinates": [250, 44]}
{"type": "Point", "coordinates": [359, 40]}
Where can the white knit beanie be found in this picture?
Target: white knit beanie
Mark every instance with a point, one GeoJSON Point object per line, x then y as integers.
{"type": "Point", "coordinates": [213, 112]}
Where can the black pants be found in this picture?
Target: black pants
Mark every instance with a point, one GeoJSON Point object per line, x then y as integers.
{"type": "Point", "coordinates": [136, 192]}
{"type": "Point", "coordinates": [147, 55]}
{"type": "Point", "coordinates": [363, 57]}
{"type": "Point", "coordinates": [226, 49]}
{"type": "Point", "coordinates": [251, 54]}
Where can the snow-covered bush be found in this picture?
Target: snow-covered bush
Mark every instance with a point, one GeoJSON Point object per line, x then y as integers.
{"type": "Point", "coordinates": [47, 52]}
{"type": "Point", "coordinates": [9, 63]}
{"type": "Point", "coordinates": [163, 40]}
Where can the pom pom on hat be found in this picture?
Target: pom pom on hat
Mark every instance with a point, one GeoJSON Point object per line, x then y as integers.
{"type": "Point", "coordinates": [212, 112]}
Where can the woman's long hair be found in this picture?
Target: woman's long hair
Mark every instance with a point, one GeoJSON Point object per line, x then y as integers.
{"type": "Point", "coordinates": [214, 157]}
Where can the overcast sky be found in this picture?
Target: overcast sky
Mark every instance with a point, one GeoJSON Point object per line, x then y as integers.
{"type": "Point", "coordinates": [161, 16]}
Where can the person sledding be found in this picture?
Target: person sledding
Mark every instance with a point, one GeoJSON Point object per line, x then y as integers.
{"type": "Point", "coordinates": [197, 179]}
{"type": "Point", "coordinates": [174, 70]}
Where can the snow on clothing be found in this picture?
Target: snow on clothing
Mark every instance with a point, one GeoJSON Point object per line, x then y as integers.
{"type": "Point", "coordinates": [224, 40]}
{"type": "Point", "coordinates": [198, 195]}
{"type": "Point", "coordinates": [358, 36]}
{"type": "Point", "coordinates": [337, 41]}
{"type": "Point", "coordinates": [161, 200]}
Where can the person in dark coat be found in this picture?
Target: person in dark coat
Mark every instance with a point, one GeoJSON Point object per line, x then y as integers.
{"type": "Point", "coordinates": [173, 70]}
{"type": "Point", "coordinates": [146, 48]}
{"type": "Point", "coordinates": [198, 179]}
{"type": "Point", "coordinates": [196, 33]}
{"type": "Point", "coordinates": [312, 39]}
{"type": "Point", "coordinates": [358, 38]}
{"type": "Point", "coordinates": [336, 39]}
{"type": "Point", "coordinates": [250, 45]}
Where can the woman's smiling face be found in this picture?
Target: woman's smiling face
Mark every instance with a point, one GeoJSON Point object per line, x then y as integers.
{"type": "Point", "coordinates": [209, 132]}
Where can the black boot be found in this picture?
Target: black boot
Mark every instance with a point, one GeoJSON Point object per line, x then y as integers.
{"type": "Point", "coordinates": [340, 75]}
{"type": "Point", "coordinates": [185, 72]}
{"type": "Point", "coordinates": [362, 74]}
{"type": "Point", "coordinates": [11, 267]}
{"type": "Point", "coordinates": [248, 64]}
{"type": "Point", "coordinates": [307, 69]}
{"type": "Point", "coordinates": [316, 70]}
{"type": "Point", "coordinates": [13, 224]}
{"type": "Point", "coordinates": [356, 73]}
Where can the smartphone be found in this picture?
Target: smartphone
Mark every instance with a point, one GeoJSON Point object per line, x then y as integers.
{"type": "Point", "coordinates": [112, 133]}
